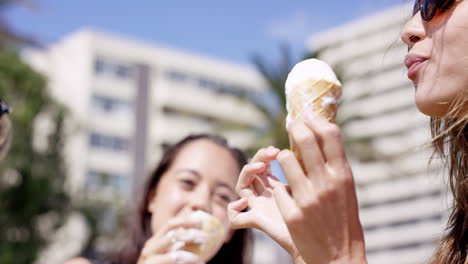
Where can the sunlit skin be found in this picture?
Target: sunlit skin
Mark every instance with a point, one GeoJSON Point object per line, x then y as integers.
{"type": "Point", "coordinates": [202, 177]}
{"type": "Point", "coordinates": [440, 72]}
{"type": "Point", "coordinates": [315, 218]}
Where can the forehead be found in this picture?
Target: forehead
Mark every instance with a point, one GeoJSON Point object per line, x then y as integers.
{"type": "Point", "coordinates": [209, 159]}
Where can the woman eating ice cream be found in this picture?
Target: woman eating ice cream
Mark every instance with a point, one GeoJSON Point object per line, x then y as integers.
{"type": "Point", "coordinates": [181, 216]}
{"type": "Point", "coordinates": [316, 217]}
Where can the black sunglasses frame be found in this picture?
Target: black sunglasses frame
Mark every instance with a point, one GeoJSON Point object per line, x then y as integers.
{"type": "Point", "coordinates": [429, 8]}
{"type": "Point", "coordinates": [4, 108]}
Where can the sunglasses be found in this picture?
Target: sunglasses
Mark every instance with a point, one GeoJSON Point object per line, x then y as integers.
{"type": "Point", "coordinates": [4, 108]}
{"type": "Point", "coordinates": [429, 8]}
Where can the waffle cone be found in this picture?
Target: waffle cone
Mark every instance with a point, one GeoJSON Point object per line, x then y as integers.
{"type": "Point", "coordinates": [205, 241]}
{"type": "Point", "coordinates": [319, 96]}
{"type": "Point", "coordinates": [215, 231]}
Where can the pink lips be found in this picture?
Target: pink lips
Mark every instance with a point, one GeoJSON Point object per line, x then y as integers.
{"type": "Point", "coordinates": [413, 62]}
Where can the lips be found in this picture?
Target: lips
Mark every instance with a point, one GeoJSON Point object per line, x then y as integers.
{"type": "Point", "coordinates": [413, 62]}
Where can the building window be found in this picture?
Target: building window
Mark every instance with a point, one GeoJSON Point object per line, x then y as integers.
{"type": "Point", "coordinates": [177, 76]}
{"type": "Point", "coordinates": [99, 66]}
{"type": "Point", "coordinates": [206, 83]}
{"type": "Point", "coordinates": [123, 71]}
{"type": "Point", "coordinates": [96, 180]}
{"type": "Point", "coordinates": [111, 105]}
{"type": "Point", "coordinates": [203, 82]}
{"type": "Point", "coordinates": [109, 142]}
{"type": "Point", "coordinates": [104, 66]}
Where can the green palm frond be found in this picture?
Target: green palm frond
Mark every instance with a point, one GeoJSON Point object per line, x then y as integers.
{"type": "Point", "coordinates": [275, 75]}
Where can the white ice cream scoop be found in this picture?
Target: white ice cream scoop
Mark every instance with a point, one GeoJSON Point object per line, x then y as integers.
{"type": "Point", "coordinates": [311, 86]}
{"type": "Point", "coordinates": [204, 242]}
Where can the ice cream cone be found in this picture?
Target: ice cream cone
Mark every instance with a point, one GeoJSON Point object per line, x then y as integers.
{"type": "Point", "coordinates": [215, 233]}
{"type": "Point", "coordinates": [311, 86]}
{"type": "Point", "coordinates": [204, 242]}
{"type": "Point", "coordinates": [319, 96]}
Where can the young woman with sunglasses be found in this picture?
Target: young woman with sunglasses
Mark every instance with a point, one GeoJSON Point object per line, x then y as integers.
{"type": "Point", "coordinates": [316, 218]}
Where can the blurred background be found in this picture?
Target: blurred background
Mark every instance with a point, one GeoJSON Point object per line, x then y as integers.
{"type": "Point", "coordinates": [100, 88]}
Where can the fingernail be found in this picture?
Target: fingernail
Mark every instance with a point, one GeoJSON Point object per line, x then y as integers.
{"type": "Point", "coordinates": [257, 165]}
{"type": "Point", "coordinates": [271, 150]}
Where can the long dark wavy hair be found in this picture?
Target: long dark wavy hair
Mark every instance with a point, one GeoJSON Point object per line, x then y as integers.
{"type": "Point", "coordinates": [450, 140]}
{"type": "Point", "coordinates": [237, 251]}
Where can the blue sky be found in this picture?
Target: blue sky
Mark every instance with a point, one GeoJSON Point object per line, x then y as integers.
{"type": "Point", "coordinates": [231, 30]}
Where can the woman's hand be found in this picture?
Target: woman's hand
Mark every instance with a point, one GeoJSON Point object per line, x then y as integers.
{"type": "Point", "coordinates": [320, 209]}
{"type": "Point", "coordinates": [157, 249]}
{"type": "Point", "coordinates": [255, 187]}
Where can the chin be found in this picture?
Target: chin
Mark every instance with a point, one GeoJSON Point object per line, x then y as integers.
{"type": "Point", "coordinates": [433, 109]}
{"type": "Point", "coordinates": [442, 110]}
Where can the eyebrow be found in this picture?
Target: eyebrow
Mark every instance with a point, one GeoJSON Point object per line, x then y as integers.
{"type": "Point", "coordinates": [222, 184]}
{"type": "Point", "coordinates": [191, 171]}
{"type": "Point", "coordinates": [198, 175]}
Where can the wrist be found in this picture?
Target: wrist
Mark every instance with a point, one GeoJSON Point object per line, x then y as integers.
{"type": "Point", "coordinates": [299, 260]}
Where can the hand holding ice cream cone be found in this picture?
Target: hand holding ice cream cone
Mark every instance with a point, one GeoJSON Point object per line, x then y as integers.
{"type": "Point", "coordinates": [203, 242]}
{"type": "Point", "coordinates": [311, 86]}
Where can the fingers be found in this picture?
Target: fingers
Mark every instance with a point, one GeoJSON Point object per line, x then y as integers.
{"type": "Point", "coordinates": [292, 170]}
{"type": "Point", "coordinates": [286, 204]}
{"type": "Point", "coordinates": [309, 147]}
{"type": "Point", "coordinates": [255, 170]}
{"type": "Point", "coordinates": [274, 182]}
{"type": "Point", "coordinates": [157, 246]}
{"type": "Point", "coordinates": [330, 136]}
{"type": "Point", "coordinates": [266, 154]}
{"type": "Point", "coordinates": [260, 182]}
{"type": "Point", "coordinates": [238, 218]}
{"type": "Point", "coordinates": [247, 176]}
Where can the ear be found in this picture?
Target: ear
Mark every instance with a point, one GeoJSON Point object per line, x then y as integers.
{"type": "Point", "coordinates": [151, 201]}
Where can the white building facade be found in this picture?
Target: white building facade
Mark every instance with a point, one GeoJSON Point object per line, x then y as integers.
{"type": "Point", "coordinates": [402, 199]}
{"type": "Point", "coordinates": [129, 100]}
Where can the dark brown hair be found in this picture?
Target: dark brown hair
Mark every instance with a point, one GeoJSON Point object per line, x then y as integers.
{"type": "Point", "coordinates": [5, 129]}
{"type": "Point", "coordinates": [450, 141]}
{"type": "Point", "coordinates": [139, 227]}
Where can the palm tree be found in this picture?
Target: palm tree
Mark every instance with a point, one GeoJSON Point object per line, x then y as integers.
{"type": "Point", "coordinates": [275, 75]}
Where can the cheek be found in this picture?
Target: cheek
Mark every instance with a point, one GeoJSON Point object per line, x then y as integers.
{"type": "Point", "coordinates": [167, 204]}
{"type": "Point", "coordinates": [442, 80]}
{"type": "Point", "coordinates": [221, 213]}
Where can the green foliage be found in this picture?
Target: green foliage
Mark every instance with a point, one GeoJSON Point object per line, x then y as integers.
{"type": "Point", "coordinates": [32, 198]}
{"type": "Point", "coordinates": [275, 75]}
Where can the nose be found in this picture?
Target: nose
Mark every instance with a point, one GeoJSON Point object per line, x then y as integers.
{"type": "Point", "coordinates": [200, 199]}
{"type": "Point", "coordinates": [413, 31]}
